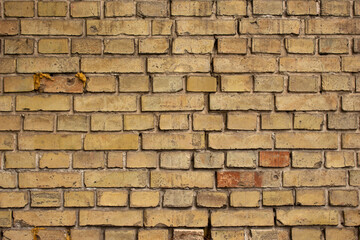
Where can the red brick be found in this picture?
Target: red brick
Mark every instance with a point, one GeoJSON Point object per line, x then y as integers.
{"type": "Point", "coordinates": [248, 179]}
{"type": "Point", "coordinates": [274, 159]}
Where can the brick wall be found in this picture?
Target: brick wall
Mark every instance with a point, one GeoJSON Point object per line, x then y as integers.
{"type": "Point", "coordinates": [223, 120]}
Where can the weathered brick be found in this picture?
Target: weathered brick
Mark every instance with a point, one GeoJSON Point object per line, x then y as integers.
{"type": "Point", "coordinates": [54, 160]}
{"type": "Point", "coordinates": [208, 122]}
{"type": "Point", "coordinates": [357, 8]}
{"type": "Point", "coordinates": [10, 123]}
{"type": "Point", "coordinates": [205, 27]}
{"type": "Point", "coordinates": [211, 199]}
{"type": "Point", "coordinates": [310, 197]}
{"type": "Point", "coordinates": [178, 64]}
{"type": "Point", "coordinates": [180, 179]}
{"type": "Point", "coordinates": [241, 159]}
{"type": "Point", "coordinates": [306, 159]}
{"type": "Point", "coordinates": [6, 142]}
{"type": "Point", "coordinates": [115, 179]}
{"type": "Point", "coordinates": [139, 122]}
{"type": "Point", "coordinates": [175, 160]}
{"type": "Point", "coordinates": [90, 234]}
{"type": "Point", "coordinates": [241, 102]}
{"type": "Point", "coordinates": [248, 179]}
{"type": "Point", "coordinates": [134, 83]}
{"type": "Point", "coordinates": [101, 84]}
{"type": "Point", "coordinates": [352, 217]}
{"type": "Point", "coordinates": [278, 198]}
{"type": "Point", "coordinates": [178, 198]}
{"type": "Point", "coordinates": [276, 121]}
{"type": "Point", "coordinates": [9, 27]}
{"type": "Point", "coordinates": [111, 65]}
{"type": "Point", "coordinates": [79, 199]}
{"type": "Point", "coordinates": [356, 45]}
{"type": "Point", "coordinates": [342, 121]}
{"type": "Point", "coordinates": [162, 27]}
{"type": "Point", "coordinates": [13, 199]}
{"type": "Point", "coordinates": [8, 65]}
{"type": "Point", "coordinates": [51, 27]}
{"type": "Point", "coordinates": [309, 64]}
{"type": "Point", "coordinates": [160, 234]}
{"type": "Point", "coordinates": [52, 9]}
{"type": "Point", "coordinates": [336, 83]}
{"type": "Point", "coordinates": [119, 8]}
{"type": "Point", "coordinates": [106, 122]}
{"type": "Point", "coordinates": [19, 9]}
{"type": "Point", "coordinates": [201, 84]}
{"type": "Point", "coordinates": [240, 141]}
{"type": "Point", "coordinates": [191, 8]}
{"type": "Point", "coordinates": [232, 45]}
{"type": "Point", "coordinates": [119, 46]}
{"type": "Point", "coordinates": [124, 141]}
{"type": "Point", "coordinates": [108, 103]}
{"type": "Point", "coordinates": [8, 180]}
{"type": "Point", "coordinates": [335, 8]}
{"type": "Point", "coordinates": [20, 160]}
{"type": "Point", "coordinates": [194, 234]}
{"type": "Point", "coordinates": [339, 159]}
{"type": "Point", "coordinates": [167, 83]}
{"type": "Point", "coordinates": [269, 26]}
{"type": "Point", "coordinates": [152, 9]}
{"type": "Point", "coordinates": [174, 121]}
{"type": "Point", "coordinates": [354, 177]}
{"type": "Point", "coordinates": [117, 27]}
{"type": "Point", "coordinates": [300, 45]}
{"type": "Point", "coordinates": [314, 178]}
{"type": "Point", "coordinates": [48, 64]}
{"type": "Point", "coordinates": [49, 179]}
{"type": "Point", "coordinates": [75, 123]}
{"type": "Point", "coordinates": [306, 233]}
{"type": "Point", "coordinates": [332, 26]}
{"type": "Point", "coordinates": [351, 102]}
{"type": "Point", "coordinates": [305, 217]}
{"type": "Point", "coordinates": [171, 102]}
{"type": "Point", "coordinates": [110, 218]}
{"type": "Point", "coordinates": [301, 7]}
{"type": "Point", "coordinates": [144, 199]}
{"type": "Point", "coordinates": [351, 63]}
{"type": "Point", "coordinates": [49, 141]}
{"type": "Point", "coordinates": [5, 219]}
{"type": "Point", "coordinates": [153, 45]}
{"type": "Point", "coordinates": [232, 7]}
{"type": "Point", "coordinates": [242, 121]}
{"type": "Point", "coordinates": [85, 9]}
{"type": "Point", "coordinates": [236, 83]}
{"type": "Point", "coordinates": [142, 160]}
{"type": "Point", "coordinates": [113, 234]}
{"type": "Point", "coordinates": [209, 160]}
{"type": "Point", "coordinates": [306, 102]}
{"type": "Point", "coordinates": [115, 159]}
{"type": "Point", "coordinates": [88, 160]}
{"type": "Point", "coordinates": [267, 7]}
{"type": "Point", "coordinates": [350, 140]}
{"type": "Point", "coordinates": [175, 218]}
{"type": "Point", "coordinates": [274, 159]}
{"type": "Point", "coordinates": [245, 198]}
{"type": "Point", "coordinates": [333, 45]}
{"type": "Point", "coordinates": [112, 198]}
{"type": "Point", "coordinates": [19, 46]}
{"type": "Point", "coordinates": [35, 122]}
{"type": "Point", "coordinates": [192, 45]}
{"type": "Point", "coordinates": [308, 121]}
{"type": "Point", "coordinates": [45, 199]}
{"type": "Point", "coordinates": [280, 234]}
{"type": "Point", "coordinates": [86, 46]}
{"type": "Point", "coordinates": [266, 45]}
{"type": "Point", "coordinates": [344, 198]}
{"type": "Point", "coordinates": [53, 45]}
{"type": "Point", "coordinates": [244, 64]}
{"type": "Point", "coordinates": [269, 83]}
{"type": "Point", "coordinates": [309, 140]}
{"type": "Point", "coordinates": [228, 218]}
{"type": "Point", "coordinates": [18, 84]}
{"type": "Point", "coordinates": [45, 218]}
{"type": "Point", "coordinates": [340, 233]}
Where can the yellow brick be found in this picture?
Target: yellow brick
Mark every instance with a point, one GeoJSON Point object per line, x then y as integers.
{"type": "Point", "coordinates": [159, 234]}
{"type": "Point", "coordinates": [48, 64]}
{"type": "Point", "coordinates": [269, 83]}
{"type": "Point", "coordinates": [111, 218]}
{"type": "Point", "coordinates": [167, 141]}
{"type": "Point", "coordinates": [205, 27]}
{"type": "Point", "coordinates": [211, 199]}
{"type": "Point", "coordinates": [174, 122]}
{"type": "Point", "coordinates": [235, 46]}
{"type": "Point", "coordinates": [245, 199]}
{"type": "Point", "coordinates": [306, 159]}
{"type": "Point", "coordinates": [88, 160]}
{"type": "Point", "coordinates": [119, 234]}
{"type": "Point", "coordinates": [310, 140]}
{"type": "Point", "coordinates": [76, 123]}
{"type": "Point", "coordinates": [176, 218]}
{"type": "Point", "coordinates": [171, 102]}
{"type": "Point", "coordinates": [49, 179]}
{"type": "Point", "coordinates": [357, 8]}
{"type": "Point", "coordinates": [19, 46]}
{"type": "Point", "coordinates": [269, 26]}
{"type": "Point", "coordinates": [239, 141]}
{"type": "Point", "coordinates": [342, 121]}
{"type": "Point", "coordinates": [152, 9]}
{"type": "Point", "coordinates": [201, 84]}
{"type": "Point", "coordinates": [5, 219]}
{"type": "Point", "coordinates": [20, 160]}
{"type": "Point", "coordinates": [308, 121]}
{"type": "Point", "coordinates": [336, 82]}
{"type": "Point", "coordinates": [153, 45]}
{"type": "Point", "coordinates": [107, 65]}
{"type": "Point", "coordinates": [50, 141]}
{"type": "Point", "coordinates": [281, 234]}
{"type": "Point", "coordinates": [275, 121]}
{"type": "Point", "coordinates": [108, 103]}
{"type": "Point", "coordinates": [116, 27]}
{"type": "Point", "coordinates": [45, 218]}
{"type": "Point", "coordinates": [112, 198]}
{"type": "Point", "coordinates": [115, 178]}
{"type": "Point", "coordinates": [192, 45]}
{"type": "Point", "coordinates": [178, 198]}
{"type": "Point", "coordinates": [8, 65]}
{"type": "Point", "coordinates": [89, 234]}
{"type": "Point", "coordinates": [43, 103]}
{"type": "Point", "coordinates": [301, 7]}
{"type": "Point", "coordinates": [241, 102]}
{"type": "Point", "coordinates": [13, 199]}
{"type": "Point", "coordinates": [79, 199]}
{"type": "Point", "coordinates": [266, 45]}
{"type": "Point", "coordinates": [54, 160]}
{"type": "Point", "coordinates": [167, 83]}
{"type": "Point", "coordinates": [191, 8]}
{"type": "Point", "coordinates": [340, 233]}
{"type": "Point", "coordinates": [350, 103]}
{"type": "Point", "coordinates": [209, 160]}
{"type": "Point", "coordinates": [306, 102]}
{"type": "Point", "coordinates": [306, 233]}
{"type": "Point", "coordinates": [41, 122]}
{"type": "Point", "coordinates": [344, 198]}
{"type": "Point", "coordinates": [208, 122]}
{"type": "Point", "coordinates": [244, 64]}
{"type": "Point", "coordinates": [139, 122]}
{"type": "Point", "coordinates": [314, 178]}
{"type": "Point", "coordinates": [52, 27]}
{"type": "Point", "coordinates": [178, 64]}
{"type": "Point", "coordinates": [53, 45]}
{"type": "Point", "coordinates": [142, 160]}
{"type": "Point", "coordinates": [119, 46]}
{"type": "Point", "coordinates": [161, 27]}
{"type": "Point", "coordinates": [144, 199]}
{"type": "Point", "coordinates": [10, 123]}
{"type": "Point", "coordinates": [180, 179]}
{"type": "Point", "coordinates": [86, 46]}
{"type": "Point", "coordinates": [106, 122]}
{"type": "Point", "coordinates": [305, 217]}
{"type": "Point", "coordinates": [9, 27]}
{"type": "Point", "coordinates": [351, 217]}
{"type": "Point", "coordinates": [310, 64]}
{"type": "Point", "coordinates": [227, 218]}
{"type": "Point", "coordinates": [18, 234]}
{"type": "Point", "coordinates": [101, 84]}
{"type": "Point", "coordinates": [229, 8]}
{"type": "Point", "coordinates": [332, 26]}
{"type": "Point", "coordinates": [267, 7]}
{"type": "Point", "coordinates": [124, 141]}
{"type": "Point", "coordinates": [18, 84]}
{"type": "Point", "coordinates": [335, 8]}
{"type": "Point", "coordinates": [300, 45]}
{"type": "Point", "coordinates": [350, 140]}
{"type": "Point", "coordinates": [52, 9]}
{"type": "Point", "coordinates": [278, 198]}
{"type": "Point", "coordinates": [19, 9]}
{"type": "Point", "coordinates": [115, 159]}
{"type": "Point", "coordinates": [243, 159]}
{"type": "Point", "coordinates": [8, 179]}
{"type": "Point", "coordinates": [119, 8]}
{"type": "Point", "coordinates": [175, 160]}
{"type": "Point", "coordinates": [304, 83]}
{"type": "Point", "coordinates": [6, 142]}
{"type": "Point", "coordinates": [45, 199]}
{"type": "Point", "coordinates": [133, 83]}
{"type": "Point", "coordinates": [236, 83]}
{"type": "Point", "coordinates": [339, 159]}
{"type": "Point", "coordinates": [85, 9]}
{"type": "Point", "coordinates": [333, 45]}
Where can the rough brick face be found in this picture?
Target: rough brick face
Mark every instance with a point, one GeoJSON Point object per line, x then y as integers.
{"type": "Point", "coordinates": [159, 119]}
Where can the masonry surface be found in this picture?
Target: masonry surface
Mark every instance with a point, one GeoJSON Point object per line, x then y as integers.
{"type": "Point", "coordinates": [223, 120]}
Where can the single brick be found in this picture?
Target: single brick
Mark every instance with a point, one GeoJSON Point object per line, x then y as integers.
{"type": "Point", "coordinates": [48, 64]}
{"type": "Point", "coordinates": [112, 198]}
{"type": "Point", "coordinates": [19, 9]}
{"type": "Point", "coordinates": [111, 218]}
{"type": "Point", "coordinates": [107, 27]}
{"type": "Point", "coordinates": [269, 83]}
{"type": "Point", "coordinates": [49, 179]}
{"type": "Point", "coordinates": [240, 141]}
{"type": "Point", "coordinates": [10, 123]}
{"type": "Point", "coordinates": [9, 27]}
{"type": "Point", "coordinates": [162, 27]}
{"type": "Point", "coordinates": [309, 140]}
{"type": "Point", "coordinates": [49, 141]}
{"type": "Point", "coordinates": [208, 122]}
{"type": "Point", "coordinates": [274, 159]}
{"type": "Point", "coordinates": [339, 159]}
{"type": "Point", "coordinates": [236, 83]}
{"type": "Point", "coordinates": [153, 46]}
{"type": "Point", "coordinates": [232, 45]}
{"type": "Point", "coordinates": [101, 84]}
{"type": "Point", "coordinates": [160, 234]}
{"type": "Point", "coordinates": [13, 199]}
{"type": "Point", "coordinates": [133, 83]}
{"type": "Point", "coordinates": [108, 103]}
{"type": "Point", "coordinates": [139, 122]}
{"type": "Point", "coordinates": [119, 46]}
{"type": "Point", "coordinates": [124, 141]}
{"type": "Point", "coordinates": [281, 234]}
{"type": "Point", "coordinates": [8, 179]}
{"type": "Point", "coordinates": [119, 8]}
{"type": "Point", "coordinates": [244, 64]}
{"type": "Point", "coordinates": [245, 198]}
{"type": "Point", "coordinates": [276, 121]}
{"type": "Point", "coordinates": [54, 160]}
{"type": "Point", "coordinates": [19, 46]}
{"type": "Point", "coordinates": [266, 45]}
{"type": "Point", "coordinates": [348, 198]}
{"type": "Point", "coordinates": [167, 83]}
{"type": "Point", "coordinates": [350, 102]}
{"type": "Point", "coordinates": [238, 218]}
{"type": "Point", "coordinates": [6, 142]}
{"type": "Point", "coordinates": [333, 45]}
{"type": "Point", "coordinates": [305, 217]}
{"type": "Point", "coordinates": [274, 7]}
{"type": "Point", "coordinates": [113, 234]}
{"type": "Point", "coordinates": [174, 122]}
{"type": "Point", "coordinates": [308, 121]}
{"type": "Point", "coordinates": [6, 103]}
{"type": "Point", "coordinates": [152, 9]}
{"type": "Point", "coordinates": [211, 199]}
{"type": "Point", "coordinates": [45, 218]}
{"type": "Point", "coordinates": [182, 234]}
{"type": "Point", "coordinates": [144, 199]}
{"type": "Point", "coordinates": [342, 121]}
{"type": "Point", "coordinates": [332, 26]}
{"type": "Point", "coordinates": [340, 233]}
{"type": "Point", "coordinates": [88, 160]}
{"type": "Point", "coordinates": [309, 64]}
{"type": "Point", "coordinates": [300, 45]}
{"type": "Point", "coordinates": [115, 178]}
{"type": "Point", "coordinates": [269, 26]}
{"type": "Point", "coordinates": [177, 64]}
{"type": "Point", "coordinates": [306, 159]}
{"type": "Point", "coordinates": [175, 160]}
{"type": "Point", "coordinates": [175, 218]}
{"type": "Point", "coordinates": [247, 179]}
{"type": "Point", "coordinates": [106, 122]}
{"type": "Point", "coordinates": [350, 140]}
{"type": "Point", "coordinates": [278, 198]}
{"type": "Point", "coordinates": [351, 64]}
{"type": "Point", "coordinates": [205, 27]}
{"type": "Point", "coordinates": [184, 45]}
{"type": "Point", "coordinates": [36, 122]}
{"type": "Point", "coordinates": [178, 198]}
{"type": "Point", "coordinates": [304, 83]}
{"type": "Point", "coordinates": [232, 7]}
{"type": "Point", "coordinates": [171, 102]}
{"type": "Point", "coordinates": [75, 123]}
{"type": "Point", "coordinates": [52, 9]}
{"type": "Point", "coordinates": [301, 7]}
{"type": "Point", "coordinates": [306, 102]}
{"type": "Point", "coordinates": [8, 65]}
{"type": "Point", "coordinates": [20, 160]}
{"type": "Point", "coordinates": [5, 218]}
{"type": "Point", "coordinates": [201, 84]}
{"type": "Point", "coordinates": [79, 199]}
{"type": "Point", "coordinates": [209, 160]}
{"type": "Point", "coordinates": [242, 121]}
{"type": "Point", "coordinates": [310, 197]}
{"type": "Point", "coordinates": [181, 179]}
{"type": "Point", "coordinates": [314, 178]}
{"type": "Point", "coordinates": [191, 8]}
{"type": "Point", "coordinates": [351, 217]}
{"type": "Point", "coordinates": [86, 46]}
{"type": "Point", "coordinates": [142, 160]}
{"type": "Point", "coordinates": [335, 8]}
{"type": "Point", "coordinates": [111, 65]}
{"type": "Point", "coordinates": [90, 234]}
{"type": "Point", "coordinates": [18, 84]}
{"type": "Point", "coordinates": [51, 27]}
{"type": "Point", "coordinates": [231, 101]}
{"type": "Point", "coordinates": [241, 159]}
{"type": "Point", "coordinates": [53, 46]}
{"type": "Point", "coordinates": [45, 199]}
{"type": "Point", "coordinates": [85, 9]}
{"type": "Point", "coordinates": [115, 159]}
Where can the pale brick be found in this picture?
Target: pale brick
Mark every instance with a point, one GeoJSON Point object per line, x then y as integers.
{"type": "Point", "coordinates": [191, 8]}
{"type": "Point", "coordinates": [85, 9]}
{"type": "Point", "coordinates": [161, 27]}
{"type": "Point", "coordinates": [101, 84]}
{"type": "Point", "coordinates": [19, 46]}
{"type": "Point", "coordinates": [241, 102]}
{"type": "Point", "coordinates": [179, 179]}
{"type": "Point", "coordinates": [75, 123]}
{"type": "Point", "coordinates": [306, 159]}
{"type": "Point", "coordinates": [342, 121]}
{"type": "Point", "coordinates": [301, 7]}
{"type": "Point", "coordinates": [18, 84]}
{"type": "Point", "coordinates": [185, 234]}
{"type": "Point", "coordinates": [49, 179]}
{"type": "Point", "coordinates": [39, 122]}
{"type": "Point", "coordinates": [79, 199]}
{"type": "Point", "coordinates": [351, 63]}
{"type": "Point", "coordinates": [278, 198]}
{"type": "Point", "coordinates": [160, 234]}
{"type": "Point", "coordinates": [300, 45]}
{"type": "Point", "coordinates": [139, 122]}
{"type": "Point", "coordinates": [88, 160]}
{"type": "Point", "coordinates": [348, 198]}
{"type": "Point", "coordinates": [314, 178]}
{"type": "Point", "coordinates": [332, 26]}
{"type": "Point", "coordinates": [175, 218]}
{"type": "Point", "coordinates": [153, 45]}
{"type": "Point", "coordinates": [241, 121]}
{"type": "Point", "coordinates": [243, 159]}
{"type": "Point", "coordinates": [209, 160]}
{"type": "Point", "coordinates": [52, 9]}
{"type": "Point", "coordinates": [340, 233]}
{"type": "Point", "coordinates": [5, 219]}
{"type": "Point", "coordinates": [171, 102]}
{"type": "Point", "coordinates": [167, 83]}
{"type": "Point", "coordinates": [351, 102]}
{"type": "Point", "coordinates": [9, 27]}
{"type": "Point", "coordinates": [117, 27]}
{"type": "Point", "coordinates": [48, 64]}
{"type": "Point", "coordinates": [267, 7]}
{"type": "Point", "coordinates": [350, 140]}
{"type": "Point", "coordinates": [207, 122]}
{"type": "Point", "coordinates": [178, 64]}
{"type": "Point", "coordinates": [10, 123]}
{"type": "Point", "coordinates": [175, 160]}
{"type": "Point", "coordinates": [310, 197]}
{"type": "Point", "coordinates": [240, 141]}
{"type": "Point", "coordinates": [112, 65]}
{"type": "Point", "coordinates": [108, 103]}
{"type": "Point", "coordinates": [119, 8]}
{"type": "Point", "coordinates": [54, 160]}
{"type": "Point", "coordinates": [335, 8]}
{"type": "Point", "coordinates": [19, 9]}
{"type": "Point", "coordinates": [49, 141]}
{"type": "Point", "coordinates": [357, 8]}
{"type": "Point", "coordinates": [106, 122]}
{"type": "Point", "coordinates": [144, 199]}
{"type": "Point", "coordinates": [89, 234]}
{"type": "Point", "coordinates": [51, 27]}
{"type": "Point", "coordinates": [205, 27]}
{"type": "Point", "coordinates": [309, 140]}
{"type": "Point", "coordinates": [111, 218]}
{"type": "Point", "coordinates": [18, 234]}
{"type": "Point", "coordinates": [232, 45]}
{"type": "Point", "coordinates": [244, 64]}
{"type": "Point", "coordinates": [308, 121]}
{"type": "Point", "coordinates": [178, 198]}
{"type": "Point", "coordinates": [305, 217]}
{"type": "Point", "coordinates": [53, 45]}
{"type": "Point", "coordinates": [333, 45]}
{"type": "Point", "coordinates": [86, 46]}
{"type": "Point", "coordinates": [306, 102]}
{"type": "Point", "coordinates": [112, 234]}
{"type": "Point", "coordinates": [8, 65]}
{"type": "Point", "coordinates": [211, 199]}
{"type": "Point", "coordinates": [152, 9]}
{"type": "Point", "coordinates": [43, 103]}
{"type": "Point", "coordinates": [142, 160]}
{"type": "Point", "coordinates": [266, 45]}
{"type": "Point", "coordinates": [339, 159]}
{"type": "Point", "coordinates": [112, 198]}
{"type": "Point", "coordinates": [280, 234]}
{"type": "Point", "coordinates": [124, 141]}
{"type": "Point", "coordinates": [115, 178]}
{"type": "Point", "coordinates": [245, 198]}
{"type": "Point", "coordinates": [174, 122]}
{"type": "Point", "coordinates": [236, 83]}
{"type": "Point", "coordinates": [133, 83]}
{"type": "Point", "coordinates": [115, 159]}
{"type": "Point", "coordinates": [269, 26]}
{"type": "Point", "coordinates": [276, 121]}
{"type": "Point", "coordinates": [45, 199]}
{"type": "Point", "coordinates": [20, 160]}
{"type": "Point", "coordinates": [201, 84]}
{"type": "Point", "coordinates": [119, 46]}
{"type": "Point", "coordinates": [45, 218]}
{"type": "Point", "coordinates": [229, 8]}
{"type": "Point", "coordinates": [351, 217]}
{"type": "Point", "coordinates": [309, 64]}
{"type": "Point", "coordinates": [192, 45]}
{"type": "Point", "coordinates": [228, 218]}
{"type": "Point", "coordinates": [8, 179]}
{"type": "Point", "coordinates": [13, 199]}
{"type": "Point", "coordinates": [304, 83]}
